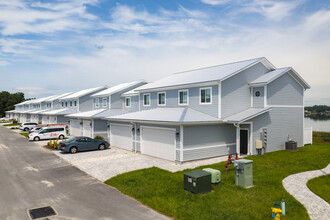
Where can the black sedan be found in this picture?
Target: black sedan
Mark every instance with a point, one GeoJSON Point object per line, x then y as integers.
{"type": "Point", "coordinates": [76, 144]}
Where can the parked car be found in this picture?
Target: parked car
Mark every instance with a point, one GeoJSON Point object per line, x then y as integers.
{"type": "Point", "coordinates": [4, 119]}
{"type": "Point", "coordinates": [48, 133]}
{"type": "Point", "coordinates": [76, 144]}
{"type": "Point", "coordinates": [27, 126]}
{"type": "Point", "coordinates": [34, 129]}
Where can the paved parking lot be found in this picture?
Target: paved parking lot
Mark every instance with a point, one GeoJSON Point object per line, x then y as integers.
{"type": "Point", "coordinates": [108, 163]}
{"type": "Point", "coordinates": [111, 162]}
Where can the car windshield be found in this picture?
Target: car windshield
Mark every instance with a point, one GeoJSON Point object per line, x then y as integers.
{"type": "Point", "coordinates": [72, 139]}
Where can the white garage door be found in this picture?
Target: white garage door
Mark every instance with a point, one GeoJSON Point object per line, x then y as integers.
{"type": "Point", "coordinates": [158, 142]}
{"type": "Point", "coordinates": [87, 128]}
{"type": "Point", "coordinates": [75, 127]}
{"type": "Point", "coordinates": [121, 136]}
{"type": "Point", "coordinates": [45, 119]}
{"type": "Point", "coordinates": [52, 120]}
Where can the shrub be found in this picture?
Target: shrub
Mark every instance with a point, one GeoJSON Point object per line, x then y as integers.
{"type": "Point", "coordinates": [99, 138]}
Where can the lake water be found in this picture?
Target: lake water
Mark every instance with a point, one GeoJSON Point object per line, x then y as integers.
{"type": "Point", "coordinates": [318, 125]}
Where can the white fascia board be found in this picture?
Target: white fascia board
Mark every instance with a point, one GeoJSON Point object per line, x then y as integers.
{"type": "Point", "coordinates": [183, 86]}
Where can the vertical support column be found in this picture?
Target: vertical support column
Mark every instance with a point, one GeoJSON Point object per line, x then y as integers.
{"type": "Point", "coordinates": [181, 143]}
{"type": "Point", "coordinates": [238, 138]}
{"type": "Point", "coordinates": [219, 100]}
{"type": "Point", "coordinates": [92, 128]}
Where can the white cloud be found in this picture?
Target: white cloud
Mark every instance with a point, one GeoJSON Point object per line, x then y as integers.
{"type": "Point", "coordinates": [4, 63]}
{"type": "Point", "coordinates": [215, 2]}
{"type": "Point", "coordinates": [20, 17]}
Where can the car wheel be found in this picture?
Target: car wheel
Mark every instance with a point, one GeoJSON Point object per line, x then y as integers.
{"type": "Point", "coordinates": [101, 147]}
{"type": "Point", "coordinates": [61, 137]}
{"type": "Point", "coordinates": [26, 129]}
{"type": "Point", "coordinates": [36, 138]}
{"type": "Point", "coordinates": [73, 150]}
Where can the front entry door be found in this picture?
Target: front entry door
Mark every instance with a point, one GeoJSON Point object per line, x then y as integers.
{"type": "Point", "coordinates": [243, 141]}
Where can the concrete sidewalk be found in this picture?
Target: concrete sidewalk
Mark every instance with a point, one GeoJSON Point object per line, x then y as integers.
{"type": "Point", "coordinates": [295, 184]}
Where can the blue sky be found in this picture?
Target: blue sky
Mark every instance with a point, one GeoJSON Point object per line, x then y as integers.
{"type": "Point", "coordinates": [53, 47]}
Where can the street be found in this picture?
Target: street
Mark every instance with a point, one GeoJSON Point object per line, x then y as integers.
{"type": "Point", "coordinates": [32, 177]}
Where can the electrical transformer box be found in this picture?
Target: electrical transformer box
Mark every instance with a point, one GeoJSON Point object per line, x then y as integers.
{"type": "Point", "coordinates": [197, 181]}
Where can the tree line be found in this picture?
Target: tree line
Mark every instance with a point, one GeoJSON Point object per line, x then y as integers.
{"type": "Point", "coordinates": [9, 100]}
{"type": "Point", "coordinates": [318, 108]}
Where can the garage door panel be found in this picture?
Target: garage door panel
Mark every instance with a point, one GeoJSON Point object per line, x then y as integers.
{"type": "Point", "coordinates": [45, 119]}
{"type": "Point", "coordinates": [87, 130]}
{"type": "Point", "coordinates": [75, 129]}
{"type": "Point", "coordinates": [158, 142]}
{"type": "Point", "coordinates": [121, 136]}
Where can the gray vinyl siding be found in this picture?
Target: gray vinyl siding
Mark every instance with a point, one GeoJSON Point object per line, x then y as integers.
{"type": "Point", "coordinates": [212, 140]}
{"type": "Point", "coordinates": [44, 105]}
{"type": "Point", "coordinates": [116, 101]}
{"type": "Point", "coordinates": [194, 98]}
{"type": "Point", "coordinates": [134, 104]}
{"type": "Point", "coordinates": [280, 122]}
{"type": "Point", "coordinates": [235, 91]}
{"type": "Point", "coordinates": [258, 102]}
{"type": "Point", "coordinates": [285, 90]}
{"type": "Point", "coordinates": [62, 119]}
{"type": "Point", "coordinates": [85, 103]}
{"type": "Point", "coordinates": [56, 104]}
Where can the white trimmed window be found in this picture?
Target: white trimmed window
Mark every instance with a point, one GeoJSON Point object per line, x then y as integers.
{"type": "Point", "coordinates": [128, 102]}
{"type": "Point", "coordinates": [183, 97]}
{"type": "Point", "coordinates": [146, 99]}
{"type": "Point", "coordinates": [161, 98]}
{"type": "Point", "coordinates": [62, 104]}
{"type": "Point", "coordinates": [66, 104]}
{"type": "Point", "coordinates": [97, 102]}
{"type": "Point", "coordinates": [75, 103]}
{"type": "Point", "coordinates": [104, 102]}
{"type": "Point", "coordinates": [70, 103]}
{"type": "Point", "coordinates": [205, 95]}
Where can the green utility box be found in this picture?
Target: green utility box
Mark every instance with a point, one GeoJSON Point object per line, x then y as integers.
{"type": "Point", "coordinates": [244, 173]}
{"type": "Point", "coordinates": [197, 181]}
{"type": "Point", "coordinates": [215, 175]}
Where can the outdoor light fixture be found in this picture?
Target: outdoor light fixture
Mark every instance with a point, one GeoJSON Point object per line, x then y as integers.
{"type": "Point", "coordinates": [177, 134]}
{"type": "Point", "coordinates": [138, 130]}
{"type": "Point", "coordinates": [133, 129]}
{"type": "Point", "coordinates": [108, 126]}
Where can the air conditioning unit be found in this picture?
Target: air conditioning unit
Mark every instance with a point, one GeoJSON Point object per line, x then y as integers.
{"type": "Point", "coordinates": [215, 175]}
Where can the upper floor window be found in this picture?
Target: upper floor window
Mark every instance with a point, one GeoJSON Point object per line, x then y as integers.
{"type": "Point", "coordinates": [183, 97]}
{"type": "Point", "coordinates": [70, 103]}
{"type": "Point", "coordinates": [62, 104]}
{"type": "Point", "coordinates": [146, 99]}
{"type": "Point", "coordinates": [97, 103]}
{"type": "Point", "coordinates": [104, 102]}
{"type": "Point", "coordinates": [75, 103]}
{"type": "Point", "coordinates": [66, 104]}
{"type": "Point", "coordinates": [128, 102]}
{"type": "Point", "coordinates": [161, 98]}
{"type": "Point", "coordinates": [257, 93]}
{"type": "Point", "coordinates": [205, 95]}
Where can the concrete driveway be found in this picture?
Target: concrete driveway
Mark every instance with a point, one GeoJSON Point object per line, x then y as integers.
{"type": "Point", "coordinates": [108, 163]}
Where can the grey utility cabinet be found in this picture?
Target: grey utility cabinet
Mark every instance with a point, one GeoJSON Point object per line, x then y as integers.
{"type": "Point", "coordinates": [244, 173]}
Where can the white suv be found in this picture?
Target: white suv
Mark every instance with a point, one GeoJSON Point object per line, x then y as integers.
{"type": "Point", "coordinates": [48, 133]}
{"type": "Point", "coordinates": [27, 126]}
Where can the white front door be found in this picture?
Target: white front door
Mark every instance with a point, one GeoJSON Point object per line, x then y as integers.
{"type": "Point", "coordinates": [121, 136]}
{"type": "Point", "coordinates": [158, 142]}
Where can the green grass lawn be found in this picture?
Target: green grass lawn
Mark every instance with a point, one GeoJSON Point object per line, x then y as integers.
{"type": "Point", "coordinates": [321, 187]}
{"type": "Point", "coordinates": [16, 124]}
{"type": "Point", "coordinates": [319, 137]}
{"type": "Point", "coordinates": [163, 190]}
{"type": "Point", "coordinates": [25, 134]}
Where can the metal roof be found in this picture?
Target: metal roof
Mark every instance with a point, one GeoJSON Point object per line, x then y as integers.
{"type": "Point", "coordinates": [87, 114]}
{"type": "Point", "coordinates": [169, 115]}
{"type": "Point", "coordinates": [27, 111]}
{"type": "Point", "coordinates": [62, 111]}
{"type": "Point", "coordinates": [81, 93]}
{"type": "Point", "coordinates": [246, 115]}
{"type": "Point", "coordinates": [204, 75]}
{"type": "Point", "coordinates": [41, 99]}
{"type": "Point", "coordinates": [38, 111]}
{"type": "Point", "coordinates": [274, 74]}
{"type": "Point", "coordinates": [110, 112]}
{"type": "Point", "coordinates": [116, 88]}
{"type": "Point", "coordinates": [24, 103]}
{"type": "Point", "coordinates": [58, 97]}
{"type": "Point", "coordinates": [132, 92]}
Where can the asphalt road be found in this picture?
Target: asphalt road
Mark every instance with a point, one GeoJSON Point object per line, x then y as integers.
{"type": "Point", "coordinates": [32, 177]}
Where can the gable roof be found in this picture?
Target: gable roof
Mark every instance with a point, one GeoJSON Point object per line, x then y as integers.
{"type": "Point", "coordinates": [205, 75]}
{"type": "Point", "coordinates": [62, 111]}
{"type": "Point", "coordinates": [117, 88]}
{"type": "Point", "coordinates": [166, 115]}
{"type": "Point", "coordinates": [24, 103]}
{"type": "Point", "coordinates": [87, 114]}
{"type": "Point", "coordinates": [274, 74]}
{"type": "Point", "coordinates": [41, 99]}
{"type": "Point", "coordinates": [58, 97]}
{"type": "Point", "coordinates": [81, 93]}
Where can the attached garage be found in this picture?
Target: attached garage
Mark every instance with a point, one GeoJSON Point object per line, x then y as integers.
{"type": "Point", "coordinates": [45, 119]}
{"type": "Point", "coordinates": [52, 120]}
{"type": "Point", "coordinates": [87, 128]}
{"type": "Point", "coordinates": [75, 127]}
{"type": "Point", "coordinates": [158, 142]}
{"type": "Point", "coordinates": [121, 136]}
